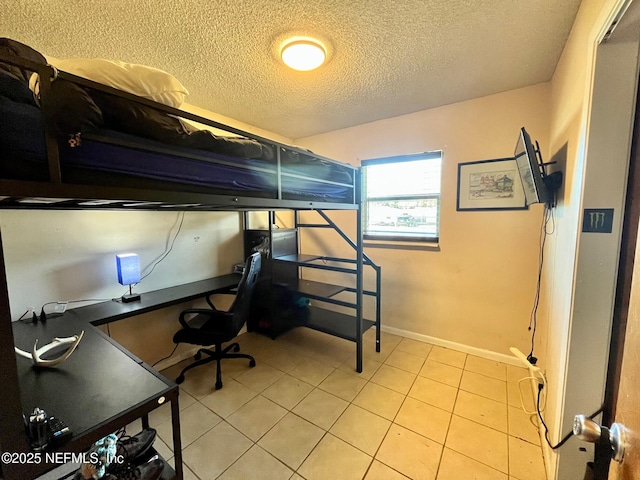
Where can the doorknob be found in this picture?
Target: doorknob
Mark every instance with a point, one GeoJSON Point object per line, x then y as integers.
{"type": "Point", "coordinates": [589, 431]}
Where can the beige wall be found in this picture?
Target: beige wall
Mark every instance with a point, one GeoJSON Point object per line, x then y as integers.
{"type": "Point", "coordinates": [568, 89]}
{"type": "Point", "coordinates": [578, 292]}
{"type": "Point", "coordinates": [476, 289]}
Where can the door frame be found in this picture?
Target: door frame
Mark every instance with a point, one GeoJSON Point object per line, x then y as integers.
{"type": "Point", "coordinates": [625, 275]}
{"type": "Point", "coordinates": [631, 222]}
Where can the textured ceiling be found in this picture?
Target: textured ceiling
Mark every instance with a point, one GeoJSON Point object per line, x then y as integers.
{"type": "Point", "coordinates": [386, 57]}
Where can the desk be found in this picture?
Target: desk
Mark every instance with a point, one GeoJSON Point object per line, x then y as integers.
{"type": "Point", "coordinates": [102, 386]}
{"type": "Point", "coordinates": [111, 311]}
{"type": "Point", "coordinates": [99, 389]}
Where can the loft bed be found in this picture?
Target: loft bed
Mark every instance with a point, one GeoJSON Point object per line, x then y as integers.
{"type": "Point", "coordinates": [55, 155]}
{"type": "Point", "coordinates": [82, 145]}
{"type": "Point", "coordinates": [86, 145]}
{"type": "Point", "coordinates": [58, 153]}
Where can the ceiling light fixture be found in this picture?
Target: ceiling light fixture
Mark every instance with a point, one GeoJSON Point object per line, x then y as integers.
{"type": "Point", "coordinates": [303, 55]}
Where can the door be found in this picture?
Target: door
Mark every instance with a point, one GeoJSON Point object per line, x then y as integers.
{"type": "Point", "coordinates": [627, 412]}
{"type": "Point", "coordinates": [623, 387]}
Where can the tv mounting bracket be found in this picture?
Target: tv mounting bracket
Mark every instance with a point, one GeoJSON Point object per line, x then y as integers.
{"type": "Point", "coordinates": [553, 180]}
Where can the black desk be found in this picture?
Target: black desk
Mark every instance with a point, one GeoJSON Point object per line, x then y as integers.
{"type": "Point", "coordinates": [111, 311]}
{"type": "Point", "coordinates": [97, 390]}
{"type": "Point", "coordinates": [102, 386]}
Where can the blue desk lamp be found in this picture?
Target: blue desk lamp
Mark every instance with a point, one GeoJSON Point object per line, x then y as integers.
{"type": "Point", "coordinates": [128, 266]}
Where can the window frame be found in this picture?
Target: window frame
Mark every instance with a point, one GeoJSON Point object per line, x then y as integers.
{"type": "Point", "coordinates": [432, 155]}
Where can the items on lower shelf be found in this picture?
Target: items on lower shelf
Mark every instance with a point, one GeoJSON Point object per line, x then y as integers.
{"type": "Point", "coordinates": [120, 456]}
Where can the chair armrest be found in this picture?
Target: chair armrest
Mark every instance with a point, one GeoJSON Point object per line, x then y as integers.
{"type": "Point", "coordinates": [208, 299]}
{"type": "Point", "coordinates": [229, 291]}
{"type": "Point", "coordinates": [196, 311]}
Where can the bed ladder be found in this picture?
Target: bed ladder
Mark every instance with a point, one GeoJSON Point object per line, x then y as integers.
{"type": "Point", "coordinates": [329, 321]}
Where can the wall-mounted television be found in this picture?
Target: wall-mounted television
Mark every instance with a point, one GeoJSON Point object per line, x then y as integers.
{"type": "Point", "coordinates": [538, 186]}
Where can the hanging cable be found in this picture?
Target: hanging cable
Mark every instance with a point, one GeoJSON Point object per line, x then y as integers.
{"type": "Point", "coordinates": [170, 243]}
{"type": "Point", "coordinates": [542, 380]}
{"type": "Point", "coordinates": [547, 217]}
{"type": "Point", "coordinates": [168, 250]}
{"type": "Point", "coordinates": [546, 429]}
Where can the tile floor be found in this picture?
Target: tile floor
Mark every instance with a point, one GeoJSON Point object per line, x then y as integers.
{"type": "Point", "coordinates": [416, 411]}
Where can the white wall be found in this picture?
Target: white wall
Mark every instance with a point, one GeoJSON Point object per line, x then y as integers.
{"type": "Point", "coordinates": [70, 255]}
{"type": "Point", "coordinates": [595, 136]}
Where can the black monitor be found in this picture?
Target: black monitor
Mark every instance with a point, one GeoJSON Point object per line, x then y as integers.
{"type": "Point", "coordinates": [538, 186]}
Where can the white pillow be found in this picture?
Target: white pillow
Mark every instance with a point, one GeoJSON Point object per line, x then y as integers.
{"type": "Point", "coordinates": [147, 82]}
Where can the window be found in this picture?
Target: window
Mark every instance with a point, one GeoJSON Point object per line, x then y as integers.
{"type": "Point", "coordinates": [401, 197]}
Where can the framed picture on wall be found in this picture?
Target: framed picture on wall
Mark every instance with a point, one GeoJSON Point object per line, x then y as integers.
{"type": "Point", "coordinates": [490, 185]}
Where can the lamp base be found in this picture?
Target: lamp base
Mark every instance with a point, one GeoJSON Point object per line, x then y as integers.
{"type": "Point", "coordinates": [130, 297]}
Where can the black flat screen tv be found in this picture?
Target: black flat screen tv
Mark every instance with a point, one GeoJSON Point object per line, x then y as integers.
{"type": "Point", "coordinates": [531, 171]}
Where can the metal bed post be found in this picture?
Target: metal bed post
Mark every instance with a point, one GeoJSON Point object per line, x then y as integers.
{"type": "Point", "coordinates": [378, 270]}
{"type": "Point", "coordinates": [279, 172]}
{"type": "Point", "coordinates": [53, 154]}
{"type": "Point", "coordinates": [12, 438]}
{"type": "Point", "coordinates": [359, 283]}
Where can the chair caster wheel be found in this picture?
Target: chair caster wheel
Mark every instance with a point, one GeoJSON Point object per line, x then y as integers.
{"type": "Point", "coordinates": [252, 363]}
{"type": "Point", "coordinates": [236, 348]}
{"type": "Point", "coordinates": [197, 356]}
{"type": "Point", "coordinates": [180, 379]}
{"type": "Point", "coordinates": [218, 385]}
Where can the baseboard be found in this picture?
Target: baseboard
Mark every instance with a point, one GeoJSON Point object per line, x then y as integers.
{"type": "Point", "coordinates": [548, 455]}
{"type": "Point", "coordinates": [478, 352]}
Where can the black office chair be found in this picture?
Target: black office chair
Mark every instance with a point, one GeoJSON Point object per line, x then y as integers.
{"type": "Point", "coordinates": [215, 327]}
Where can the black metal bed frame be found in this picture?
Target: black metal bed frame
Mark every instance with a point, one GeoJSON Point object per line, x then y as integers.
{"type": "Point", "coordinates": [17, 192]}
{"type": "Point", "coordinates": [57, 194]}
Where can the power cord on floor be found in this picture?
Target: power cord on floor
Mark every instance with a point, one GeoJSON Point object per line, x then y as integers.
{"type": "Point", "coordinates": [168, 356]}
{"type": "Point", "coordinates": [546, 429]}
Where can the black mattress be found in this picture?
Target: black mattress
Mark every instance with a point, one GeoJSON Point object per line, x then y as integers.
{"type": "Point", "coordinates": [115, 158]}
{"type": "Point", "coordinates": [108, 138]}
